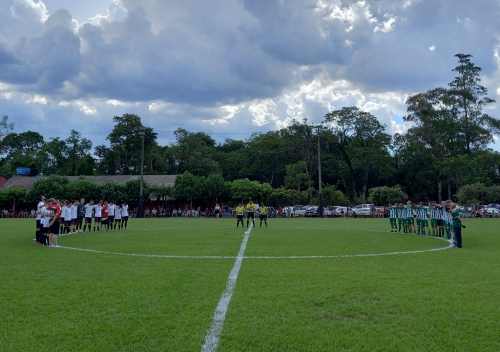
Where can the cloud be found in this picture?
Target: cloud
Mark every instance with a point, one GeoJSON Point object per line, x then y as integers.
{"type": "Point", "coordinates": [249, 65]}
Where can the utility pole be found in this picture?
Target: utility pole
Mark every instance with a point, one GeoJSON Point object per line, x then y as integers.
{"type": "Point", "coordinates": [141, 191]}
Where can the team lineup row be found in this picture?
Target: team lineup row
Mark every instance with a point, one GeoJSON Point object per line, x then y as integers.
{"type": "Point", "coordinates": [60, 217]}
{"type": "Point", "coordinates": [444, 218]}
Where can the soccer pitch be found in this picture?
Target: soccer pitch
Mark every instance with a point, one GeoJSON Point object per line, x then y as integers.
{"type": "Point", "coordinates": [299, 285]}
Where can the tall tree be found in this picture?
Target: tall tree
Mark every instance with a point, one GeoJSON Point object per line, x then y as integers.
{"type": "Point", "coordinates": [362, 144]}
{"type": "Point", "coordinates": [195, 153]}
{"type": "Point", "coordinates": [77, 150]}
{"type": "Point", "coordinates": [125, 143]}
{"type": "Point", "coordinates": [470, 97]}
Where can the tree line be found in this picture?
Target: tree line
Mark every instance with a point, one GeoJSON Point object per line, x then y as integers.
{"type": "Point", "coordinates": [445, 149]}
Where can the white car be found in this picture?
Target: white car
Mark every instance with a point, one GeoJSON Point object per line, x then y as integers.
{"type": "Point", "coordinates": [347, 211]}
{"type": "Point", "coordinates": [364, 212]}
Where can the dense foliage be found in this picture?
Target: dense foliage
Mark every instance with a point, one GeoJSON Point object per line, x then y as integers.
{"type": "Point", "coordinates": [445, 149]}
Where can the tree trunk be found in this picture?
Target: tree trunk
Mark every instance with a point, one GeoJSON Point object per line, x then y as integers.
{"type": "Point", "coordinates": [440, 186]}
{"type": "Point", "coordinates": [365, 181]}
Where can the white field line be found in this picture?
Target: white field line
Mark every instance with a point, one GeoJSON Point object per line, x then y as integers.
{"type": "Point", "coordinates": [214, 331]}
{"type": "Point", "coordinates": [451, 245]}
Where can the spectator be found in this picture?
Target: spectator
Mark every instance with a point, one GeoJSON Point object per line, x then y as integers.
{"type": "Point", "coordinates": [154, 212]}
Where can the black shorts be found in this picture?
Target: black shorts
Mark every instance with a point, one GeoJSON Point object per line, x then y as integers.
{"type": "Point", "coordinates": [98, 220]}
{"type": "Point", "coordinates": [38, 225]}
{"type": "Point", "coordinates": [118, 220]}
{"type": "Point", "coordinates": [124, 218]}
{"type": "Point", "coordinates": [111, 218]}
{"type": "Point", "coordinates": [79, 219]}
{"type": "Point", "coordinates": [73, 221]}
{"type": "Point", "coordinates": [250, 215]}
{"type": "Point", "coordinates": [45, 230]}
{"type": "Point", "coordinates": [239, 217]}
{"type": "Point", "coordinates": [440, 222]}
{"type": "Point", "coordinates": [263, 217]}
{"type": "Point", "coordinates": [67, 223]}
{"type": "Point", "coordinates": [88, 220]}
{"type": "Point", "coordinates": [55, 228]}
{"type": "Point", "coordinates": [104, 221]}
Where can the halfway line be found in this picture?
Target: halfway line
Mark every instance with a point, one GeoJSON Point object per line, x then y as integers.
{"type": "Point", "coordinates": [214, 331]}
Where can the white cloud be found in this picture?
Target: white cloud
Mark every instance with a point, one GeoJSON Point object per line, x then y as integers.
{"type": "Point", "coordinates": [263, 112]}
{"type": "Point", "coordinates": [386, 26]}
{"type": "Point", "coordinates": [432, 48]}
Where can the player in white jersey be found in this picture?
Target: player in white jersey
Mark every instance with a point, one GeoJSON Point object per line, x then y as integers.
{"type": "Point", "coordinates": [74, 216]}
{"type": "Point", "coordinates": [111, 214]}
{"type": "Point", "coordinates": [118, 217]}
{"type": "Point", "coordinates": [88, 208]}
{"type": "Point", "coordinates": [124, 215]}
{"type": "Point", "coordinates": [41, 204]}
{"type": "Point", "coordinates": [97, 215]}
{"type": "Point", "coordinates": [45, 222]}
{"type": "Point", "coordinates": [63, 218]}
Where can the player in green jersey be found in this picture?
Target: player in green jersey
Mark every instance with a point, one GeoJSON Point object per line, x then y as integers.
{"type": "Point", "coordinates": [401, 218]}
{"type": "Point", "coordinates": [433, 217]}
{"type": "Point", "coordinates": [424, 222]}
{"type": "Point", "coordinates": [410, 218]}
{"type": "Point", "coordinates": [392, 216]}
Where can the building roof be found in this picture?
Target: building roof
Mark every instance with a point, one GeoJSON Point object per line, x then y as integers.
{"type": "Point", "coordinates": [26, 182]}
{"type": "Point", "coordinates": [3, 181]}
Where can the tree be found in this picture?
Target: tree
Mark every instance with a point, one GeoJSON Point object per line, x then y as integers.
{"type": "Point", "coordinates": [125, 144]}
{"type": "Point", "coordinates": [474, 193]}
{"type": "Point", "coordinates": [215, 186]}
{"type": "Point", "coordinates": [361, 143]}
{"type": "Point", "coordinates": [332, 196]}
{"type": "Point", "coordinates": [24, 150]}
{"type": "Point", "coordinates": [132, 190]}
{"type": "Point", "coordinates": [297, 175]}
{"type": "Point", "coordinates": [5, 127]}
{"type": "Point", "coordinates": [194, 153]}
{"type": "Point", "coordinates": [470, 97]}
{"type": "Point", "coordinates": [53, 186]}
{"type": "Point", "coordinates": [111, 190]}
{"type": "Point", "coordinates": [77, 151]}
{"type": "Point", "coordinates": [188, 186]}
{"type": "Point", "coordinates": [385, 195]}
{"type": "Point", "coordinates": [83, 188]}
{"type": "Point", "coordinates": [244, 189]}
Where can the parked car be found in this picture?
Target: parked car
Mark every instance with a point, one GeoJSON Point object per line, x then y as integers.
{"type": "Point", "coordinates": [312, 211]}
{"type": "Point", "coordinates": [347, 211]}
{"type": "Point", "coordinates": [300, 210]}
{"type": "Point", "coordinates": [363, 212]}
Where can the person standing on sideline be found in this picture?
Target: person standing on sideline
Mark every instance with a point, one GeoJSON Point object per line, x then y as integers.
{"type": "Point", "coordinates": [217, 211]}
{"type": "Point", "coordinates": [39, 236]}
{"type": "Point", "coordinates": [457, 225]}
{"type": "Point", "coordinates": [250, 212]}
{"type": "Point", "coordinates": [263, 214]}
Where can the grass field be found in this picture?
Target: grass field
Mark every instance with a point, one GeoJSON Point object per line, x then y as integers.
{"type": "Point", "coordinates": [304, 285]}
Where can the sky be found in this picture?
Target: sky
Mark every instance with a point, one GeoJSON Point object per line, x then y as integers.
{"type": "Point", "coordinates": [230, 68]}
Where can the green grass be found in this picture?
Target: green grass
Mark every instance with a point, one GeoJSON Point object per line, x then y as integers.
{"type": "Point", "coordinates": [58, 299]}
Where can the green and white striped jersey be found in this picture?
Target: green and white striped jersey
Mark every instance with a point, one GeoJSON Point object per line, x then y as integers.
{"type": "Point", "coordinates": [432, 213]}
{"type": "Point", "coordinates": [393, 212]}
